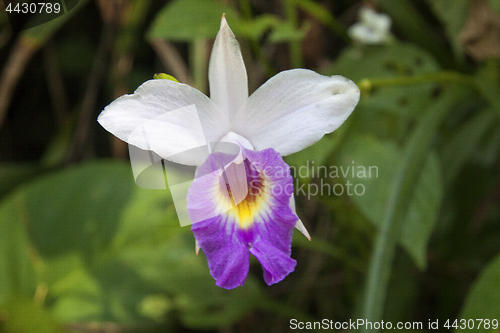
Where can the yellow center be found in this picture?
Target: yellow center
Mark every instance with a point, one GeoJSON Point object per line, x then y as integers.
{"type": "Point", "coordinates": [245, 212]}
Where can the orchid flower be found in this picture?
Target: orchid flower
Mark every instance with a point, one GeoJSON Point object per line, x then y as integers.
{"type": "Point", "coordinates": [290, 112]}
{"type": "Point", "coordinates": [372, 29]}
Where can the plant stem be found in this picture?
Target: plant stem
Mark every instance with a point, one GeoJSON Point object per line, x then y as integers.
{"type": "Point", "coordinates": [366, 85]}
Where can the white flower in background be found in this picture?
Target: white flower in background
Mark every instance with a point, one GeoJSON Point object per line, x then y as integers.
{"type": "Point", "coordinates": [373, 28]}
{"type": "Point", "coordinates": [290, 112]}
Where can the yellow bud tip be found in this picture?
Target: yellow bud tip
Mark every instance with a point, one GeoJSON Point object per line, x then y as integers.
{"type": "Point", "coordinates": [163, 76]}
{"type": "Point", "coordinates": [365, 85]}
{"type": "Point", "coordinates": [223, 21]}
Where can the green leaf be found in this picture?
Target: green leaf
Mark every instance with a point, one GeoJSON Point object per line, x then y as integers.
{"type": "Point", "coordinates": [24, 316]}
{"type": "Point", "coordinates": [488, 152]}
{"type": "Point", "coordinates": [396, 60]}
{"type": "Point", "coordinates": [423, 211]}
{"type": "Point", "coordinates": [188, 20]}
{"type": "Point", "coordinates": [41, 33]}
{"type": "Point", "coordinates": [465, 141]}
{"type": "Point", "coordinates": [77, 209]}
{"type": "Point", "coordinates": [374, 168]}
{"type": "Point", "coordinates": [495, 5]}
{"type": "Point", "coordinates": [286, 32]}
{"type": "Point", "coordinates": [452, 14]}
{"type": "Point", "coordinates": [110, 250]}
{"type": "Point", "coordinates": [255, 28]}
{"type": "Point", "coordinates": [486, 81]}
{"type": "Point", "coordinates": [412, 24]}
{"type": "Point", "coordinates": [17, 274]}
{"type": "Point", "coordinates": [323, 15]}
{"type": "Point", "coordinates": [405, 180]}
{"type": "Point", "coordinates": [160, 254]}
{"type": "Point", "coordinates": [403, 292]}
{"type": "Point", "coordinates": [483, 300]}
{"type": "Point", "coordinates": [14, 174]}
{"type": "Point", "coordinates": [76, 292]}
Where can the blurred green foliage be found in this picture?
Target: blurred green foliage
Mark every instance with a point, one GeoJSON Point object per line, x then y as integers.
{"type": "Point", "coordinates": [83, 249]}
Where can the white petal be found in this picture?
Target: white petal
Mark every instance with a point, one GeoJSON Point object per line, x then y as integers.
{"type": "Point", "coordinates": [366, 35]}
{"type": "Point", "coordinates": [196, 247]}
{"type": "Point", "coordinates": [299, 225]}
{"type": "Point", "coordinates": [377, 21]}
{"type": "Point", "coordinates": [237, 139]}
{"type": "Point", "coordinates": [227, 74]}
{"type": "Point", "coordinates": [166, 117]}
{"type": "Point", "coordinates": [294, 109]}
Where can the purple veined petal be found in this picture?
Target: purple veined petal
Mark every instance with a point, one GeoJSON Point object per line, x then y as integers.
{"type": "Point", "coordinates": [276, 263]}
{"type": "Point", "coordinates": [262, 224]}
{"type": "Point", "coordinates": [228, 260]}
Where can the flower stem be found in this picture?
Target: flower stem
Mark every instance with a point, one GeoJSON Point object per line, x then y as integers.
{"type": "Point", "coordinates": [366, 85]}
